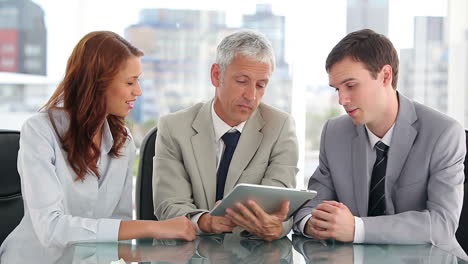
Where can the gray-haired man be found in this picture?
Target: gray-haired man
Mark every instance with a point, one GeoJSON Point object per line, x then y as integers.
{"type": "Point", "coordinates": [202, 152]}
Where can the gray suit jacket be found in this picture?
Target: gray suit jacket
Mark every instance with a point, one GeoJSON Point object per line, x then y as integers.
{"type": "Point", "coordinates": [424, 179]}
{"type": "Point", "coordinates": [184, 174]}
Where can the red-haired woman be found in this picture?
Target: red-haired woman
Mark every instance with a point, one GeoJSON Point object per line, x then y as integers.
{"type": "Point", "coordinates": [76, 156]}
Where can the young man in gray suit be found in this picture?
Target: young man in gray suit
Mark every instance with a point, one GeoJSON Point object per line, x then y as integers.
{"type": "Point", "coordinates": [204, 151]}
{"type": "Point", "coordinates": [391, 169]}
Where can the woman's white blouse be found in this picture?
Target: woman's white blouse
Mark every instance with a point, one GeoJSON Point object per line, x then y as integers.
{"type": "Point", "coordinates": [59, 209]}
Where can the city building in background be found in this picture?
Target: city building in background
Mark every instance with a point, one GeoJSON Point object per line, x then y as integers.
{"type": "Point", "coordinates": [23, 37]}
{"type": "Point", "coordinates": [180, 47]}
{"type": "Point", "coordinates": [424, 68]}
{"type": "Point", "coordinates": [21, 96]}
{"type": "Point", "coordinates": [23, 84]}
{"type": "Point", "coordinates": [279, 91]}
{"type": "Point", "coordinates": [423, 73]}
{"type": "Point", "coordinates": [372, 14]}
{"type": "Point", "coordinates": [457, 42]}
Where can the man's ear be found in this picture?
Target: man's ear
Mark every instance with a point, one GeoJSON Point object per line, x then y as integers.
{"type": "Point", "coordinates": [215, 75]}
{"type": "Point", "coordinates": [387, 72]}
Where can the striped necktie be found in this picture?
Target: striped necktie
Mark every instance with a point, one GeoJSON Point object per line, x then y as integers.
{"type": "Point", "coordinates": [377, 186]}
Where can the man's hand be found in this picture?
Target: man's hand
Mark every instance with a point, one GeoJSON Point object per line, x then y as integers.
{"type": "Point", "coordinates": [331, 219]}
{"type": "Point", "coordinates": [215, 224]}
{"type": "Point", "coordinates": [254, 219]}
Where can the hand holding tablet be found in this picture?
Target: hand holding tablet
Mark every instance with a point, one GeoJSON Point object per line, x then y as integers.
{"type": "Point", "coordinates": [267, 197]}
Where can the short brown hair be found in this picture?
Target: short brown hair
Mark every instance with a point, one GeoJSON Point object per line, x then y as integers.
{"type": "Point", "coordinates": [373, 49]}
{"type": "Point", "coordinates": [95, 61]}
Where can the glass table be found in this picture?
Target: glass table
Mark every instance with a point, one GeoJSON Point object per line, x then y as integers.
{"type": "Point", "coordinates": [232, 248]}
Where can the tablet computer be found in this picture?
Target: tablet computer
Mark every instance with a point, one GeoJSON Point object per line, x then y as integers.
{"type": "Point", "coordinates": [268, 197]}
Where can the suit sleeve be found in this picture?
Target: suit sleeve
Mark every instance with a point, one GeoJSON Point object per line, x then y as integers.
{"type": "Point", "coordinates": [282, 165]}
{"type": "Point", "coordinates": [439, 222]}
{"type": "Point", "coordinates": [320, 181]}
{"type": "Point", "coordinates": [172, 188]}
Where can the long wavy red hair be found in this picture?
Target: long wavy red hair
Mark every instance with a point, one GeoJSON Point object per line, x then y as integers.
{"type": "Point", "coordinates": [94, 63]}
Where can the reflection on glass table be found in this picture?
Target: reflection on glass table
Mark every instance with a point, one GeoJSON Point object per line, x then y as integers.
{"type": "Point", "coordinates": [232, 248]}
{"type": "Point", "coordinates": [331, 251]}
{"type": "Point", "coordinates": [228, 248]}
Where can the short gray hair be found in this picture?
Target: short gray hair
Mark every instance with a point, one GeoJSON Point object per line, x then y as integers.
{"type": "Point", "coordinates": [244, 42]}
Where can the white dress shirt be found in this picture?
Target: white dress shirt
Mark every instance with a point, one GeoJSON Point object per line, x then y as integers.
{"type": "Point", "coordinates": [358, 223]}
{"type": "Point", "coordinates": [58, 209]}
{"type": "Point", "coordinates": [220, 128]}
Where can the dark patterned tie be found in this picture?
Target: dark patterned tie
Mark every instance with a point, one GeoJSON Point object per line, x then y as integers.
{"type": "Point", "coordinates": [377, 186]}
{"type": "Point", "coordinates": [230, 141]}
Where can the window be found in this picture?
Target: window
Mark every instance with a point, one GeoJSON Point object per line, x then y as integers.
{"type": "Point", "coordinates": [7, 48]}
{"type": "Point", "coordinates": [32, 50]}
{"type": "Point", "coordinates": [179, 39]}
{"type": "Point", "coordinates": [6, 62]}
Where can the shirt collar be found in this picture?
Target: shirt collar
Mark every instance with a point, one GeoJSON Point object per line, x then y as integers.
{"type": "Point", "coordinates": [220, 127]}
{"type": "Point", "coordinates": [373, 139]}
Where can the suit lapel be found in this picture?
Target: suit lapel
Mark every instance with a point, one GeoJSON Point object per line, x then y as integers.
{"type": "Point", "coordinates": [360, 172]}
{"type": "Point", "coordinates": [249, 142]}
{"type": "Point", "coordinates": [403, 138]}
{"type": "Point", "coordinates": [204, 151]}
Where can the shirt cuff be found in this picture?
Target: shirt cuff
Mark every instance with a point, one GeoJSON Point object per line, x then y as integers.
{"type": "Point", "coordinates": [303, 223]}
{"type": "Point", "coordinates": [108, 230]}
{"type": "Point", "coordinates": [194, 220]}
{"type": "Point", "coordinates": [358, 230]}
